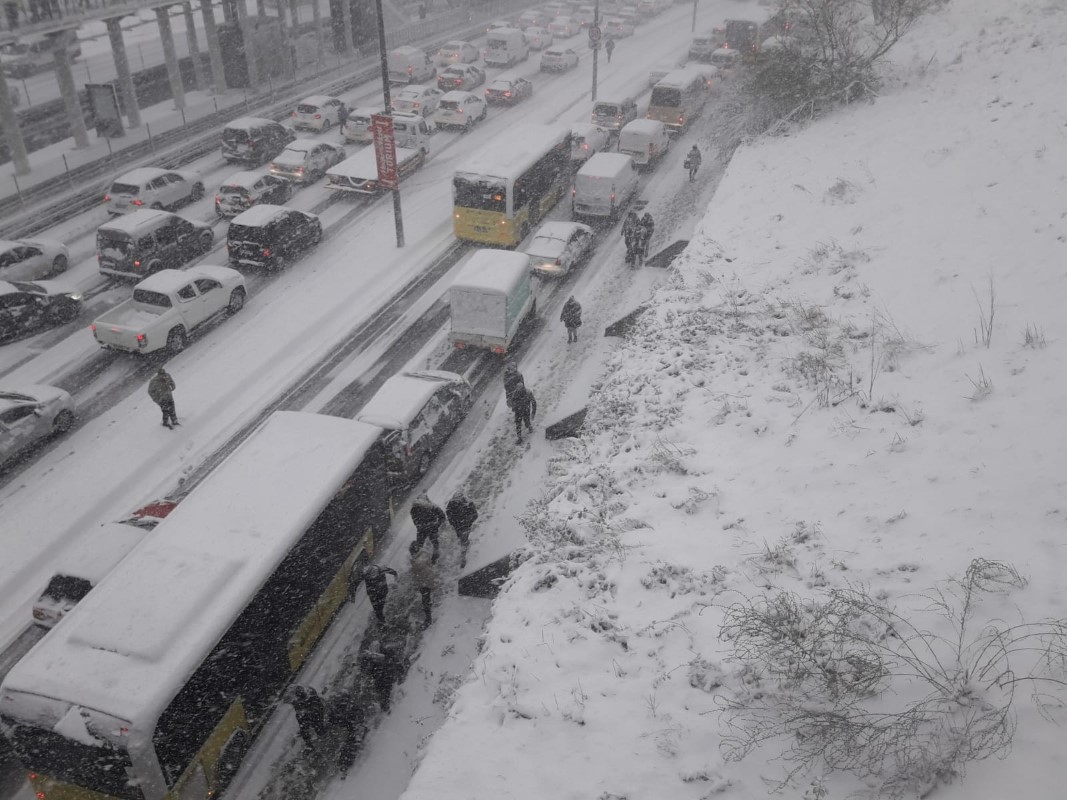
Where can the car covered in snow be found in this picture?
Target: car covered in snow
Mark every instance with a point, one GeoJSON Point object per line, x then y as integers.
{"type": "Point", "coordinates": [618, 28]}
{"type": "Point", "coordinates": [31, 259]}
{"type": "Point", "coordinates": [464, 76]}
{"type": "Point", "coordinates": [587, 139]}
{"type": "Point", "coordinates": [243, 190]}
{"type": "Point", "coordinates": [558, 59]}
{"type": "Point", "coordinates": [271, 236]}
{"type": "Point", "coordinates": [460, 110]}
{"type": "Point", "coordinates": [558, 247]}
{"type": "Point", "coordinates": [30, 414]}
{"type": "Point", "coordinates": [564, 27]}
{"type": "Point", "coordinates": [28, 306]}
{"type": "Point", "coordinates": [538, 38]}
{"type": "Point", "coordinates": [508, 90]}
{"type": "Point", "coordinates": [316, 113]}
{"type": "Point", "coordinates": [152, 187]}
{"type": "Point", "coordinates": [417, 100]}
{"type": "Point", "coordinates": [357, 127]}
{"type": "Point", "coordinates": [456, 52]}
{"type": "Point", "coordinates": [306, 160]}
{"type": "Point", "coordinates": [417, 412]}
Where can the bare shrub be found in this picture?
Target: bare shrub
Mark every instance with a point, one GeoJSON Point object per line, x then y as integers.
{"type": "Point", "coordinates": [903, 700]}
{"type": "Point", "coordinates": [1034, 337]}
{"type": "Point", "coordinates": [983, 386]}
{"type": "Point", "coordinates": [984, 332]}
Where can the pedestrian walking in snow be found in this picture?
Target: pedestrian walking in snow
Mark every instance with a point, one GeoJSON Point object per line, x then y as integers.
{"type": "Point", "coordinates": [342, 117]}
{"type": "Point", "coordinates": [310, 713]}
{"type": "Point", "coordinates": [349, 724]}
{"type": "Point", "coordinates": [428, 518]}
{"type": "Point", "coordinates": [512, 380]}
{"type": "Point", "coordinates": [462, 514]}
{"type": "Point", "coordinates": [524, 407]}
{"type": "Point", "coordinates": [629, 230]}
{"type": "Point", "coordinates": [692, 162]}
{"type": "Point", "coordinates": [571, 317]}
{"type": "Point", "coordinates": [382, 662]}
{"type": "Point", "coordinates": [161, 390]}
{"type": "Point", "coordinates": [376, 585]}
{"type": "Point", "coordinates": [609, 48]}
{"type": "Point", "coordinates": [642, 235]}
{"type": "Point", "coordinates": [422, 574]}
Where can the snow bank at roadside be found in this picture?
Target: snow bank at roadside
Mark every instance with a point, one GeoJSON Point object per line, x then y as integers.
{"type": "Point", "coordinates": [809, 403]}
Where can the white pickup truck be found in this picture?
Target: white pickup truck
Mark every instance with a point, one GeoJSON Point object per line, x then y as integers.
{"type": "Point", "coordinates": [359, 174]}
{"type": "Point", "coordinates": [167, 306]}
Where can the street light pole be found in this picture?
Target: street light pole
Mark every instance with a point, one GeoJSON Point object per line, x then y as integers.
{"type": "Point", "coordinates": [694, 16]}
{"type": "Point", "coordinates": [398, 217]}
{"type": "Point", "coordinates": [595, 43]}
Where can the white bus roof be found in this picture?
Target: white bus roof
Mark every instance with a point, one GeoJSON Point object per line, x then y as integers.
{"type": "Point", "coordinates": [131, 644]}
{"type": "Point", "coordinates": [493, 272]}
{"type": "Point", "coordinates": [507, 157]}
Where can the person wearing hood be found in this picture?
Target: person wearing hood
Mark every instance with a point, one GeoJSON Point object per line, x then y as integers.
{"type": "Point", "coordinates": [629, 233]}
{"type": "Point", "coordinates": [424, 577]}
{"type": "Point", "coordinates": [161, 390]}
{"type": "Point", "coordinates": [571, 317]}
{"type": "Point", "coordinates": [310, 713]}
{"type": "Point", "coordinates": [462, 514]}
{"type": "Point", "coordinates": [428, 519]}
{"type": "Point", "coordinates": [512, 380]}
{"type": "Point", "coordinates": [524, 407]}
{"type": "Point", "coordinates": [377, 587]}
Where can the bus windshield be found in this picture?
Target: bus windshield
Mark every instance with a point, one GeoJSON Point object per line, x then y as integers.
{"type": "Point", "coordinates": [666, 97]}
{"type": "Point", "coordinates": [479, 194]}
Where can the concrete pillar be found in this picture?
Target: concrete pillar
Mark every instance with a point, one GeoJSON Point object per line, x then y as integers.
{"type": "Point", "coordinates": [194, 49]}
{"type": "Point", "coordinates": [346, 18]}
{"type": "Point", "coordinates": [122, 69]}
{"type": "Point", "coordinates": [69, 91]}
{"type": "Point", "coordinates": [10, 124]}
{"type": "Point", "coordinates": [250, 49]}
{"type": "Point", "coordinates": [211, 34]}
{"type": "Point", "coordinates": [294, 17]}
{"type": "Point", "coordinates": [261, 8]}
{"type": "Point", "coordinates": [316, 15]}
{"type": "Point", "coordinates": [170, 58]}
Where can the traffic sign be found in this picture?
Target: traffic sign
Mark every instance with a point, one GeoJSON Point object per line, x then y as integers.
{"type": "Point", "coordinates": [594, 33]}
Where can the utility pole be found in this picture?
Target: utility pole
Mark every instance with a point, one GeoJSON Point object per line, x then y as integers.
{"type": "Point", "coordinates": [398, 217]}
{"type": "Point", "coordinates": [594, 41]}
{"type": "Point", "coordinates": [694, 16]}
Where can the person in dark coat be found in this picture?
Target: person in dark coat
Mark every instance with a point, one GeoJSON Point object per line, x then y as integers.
{"type": "Point", "coordinates": [461, 515]}
{"type": "Point", "coordinates": [609, 48]}
{"type": "Point", "coordinates": [524, 407]}
{"type": "Point", "coordinates": [342, 116]}
{"type": "Point", "coordinates": [642, 236]}
{"type": "Point", "coordinates": [161, 390]}
{"type": "Point", "coordinates": [310, 713]}
{"type": "Point", "coordinates": [571, 317]}
{"type": "Point", "coordinates": [629, 229]}
{"type": "Point", "coordinates": [428, 519]}
{"type": "Point", "coordinates": [382, 662]}
{"type": "Point", "coordinates": [512, 380]}
{"type": "Point", "coordinates": [377, 587]}
{"type": "Point", "coordinates": [349, 722]}
{"type": "Point", "coordinates": [422, 574]}
{"type": "Point", "coordinates": [692, 162]}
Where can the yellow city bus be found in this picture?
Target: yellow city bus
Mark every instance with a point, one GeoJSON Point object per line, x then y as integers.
{"type": "Point", "coordinates": [677, 98]}
{"type": "Point", "coordinates": [154, 686]}
{"type": "Point", "coordinates": [500, 194]}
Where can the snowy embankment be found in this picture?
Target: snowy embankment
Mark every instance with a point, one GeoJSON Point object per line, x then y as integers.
{"type": "Point", "coordinates": [852, 380]}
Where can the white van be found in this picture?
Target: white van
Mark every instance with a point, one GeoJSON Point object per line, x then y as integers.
{"type": "Point", "coordinates": [410, 65]}
{"type": "Point", "coordinates": [504, 47]}
{"type": "Point", "coordinates": [603, 187]}
{"type": "Point", "coordinates": [678, 98]}
{"type": "Point", "coordinates": [645, 140]}
{"type": "Point", "coordinates": [612, 113]}
{"type": "Point", "coordinates": [490, 299]}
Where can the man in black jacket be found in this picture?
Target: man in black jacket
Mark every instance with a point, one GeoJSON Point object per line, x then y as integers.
{"type": "Point", "coordinates": [428, 519]}
{"type": "Point", "coordinates": [310, 713]}
{"type": "Point", "coordinates": [512, 380]}
{"type": "Point", "coordinates": [377, 587]}
{"type": "Point", "coordinates": [461, 514]}
{"type": "Point", "coordinates": [571, 317]}
{"type": "Point", "coordinates": [524, 407]}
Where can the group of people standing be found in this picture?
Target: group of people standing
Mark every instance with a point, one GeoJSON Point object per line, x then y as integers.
{"type": "Point", "coordinates": [637, 232]}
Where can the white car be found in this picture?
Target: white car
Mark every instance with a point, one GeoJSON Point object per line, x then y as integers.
{"type": "Point", "coordinates": [461, 76]}
{"type": "Point", "coordinates": [456, 52]}
{"type": "Point", "coordinates": [417, 100]}
{"type": "Point", "coordinates": [530, 19]}
{"type": "Point", "coordinates": [460, 109]}
{"type": "Point", "coordinates": [618, 28]}
{"type": "Point", "coordinates": [306, 160]}
{"type": "Point", "coordinates": [558, 59]}
{"type": "Point", "coordinates": [557, 247]}
{"type": "Point", "coordinates": [32, 259]}
{"type": "Point", "coordinates": [357, 126]}
{"type": "Point", "coordinates": [563, 27]}
{"type": "Point", "coordinates": [153, 187]}
{"type": "Point", "coordinates": [538, 38]}
{"type": "Point", "coordinates": [584, 16]}
{"type": "Point", "coordinates": [243, 190]}
{"type": "Point", "coordinates": [497, 23]}
{"type": "Point", "coordinates": [31, 413]}
{"type": "Point", "coordinates": [587, 139]}
{"type": "Point", "coordinates": [726, 60]}
{"type": "Point", "coordinates": [316, 113]}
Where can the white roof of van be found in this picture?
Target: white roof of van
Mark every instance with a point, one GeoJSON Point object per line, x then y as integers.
{"type": "Point", "coordinates": [403, 396]}
{"type": "Point", "coordinates": [650, 127]}
{"type": "Point", "coordinates": [493, 271]}
{"type": "Point", "coordinates": [604, 165]}
{"type": "Point", "coordinates": [258, 215]}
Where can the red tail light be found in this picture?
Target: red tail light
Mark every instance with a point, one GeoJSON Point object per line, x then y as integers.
{"type": "Point", "coordinates": [137, 264]}
{"type": "Point", "coordinates": [217, 199]}
{"type": "Point", "coordinates": [142, 341]}
{"type": "Point", "coordinates": [293, 114]}
{"type": "Point", "coordinates": [613, 197]}
{"type": "Point", "coordinates": [507, 94]}
{"type": "Point", "coordinates": [99, 255]}
{"type": "Point", "coordinates": [92, 327]}
{"type": "Point", "coordinates": [651, 149]}
{"type": "Point", "coordinates": [107, 198]}
{"type": "Point", "coordinates": [318, 116]}
{"type": "Point", "coordinates": [460, 110]}
{"type": "Point", "coordinates": [574, 191]}
{"type": "Point", "coordinates": [559, 262]}
{"type": "Point", "coordinates": [411, 70]}
{"type": "Point", "coordinates": [266, 252]}
{"type": "Point", "coordinates": [137, 202]}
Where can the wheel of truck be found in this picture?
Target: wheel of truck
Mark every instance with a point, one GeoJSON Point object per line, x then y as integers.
{"type": "Point", "coordinates": [237, 300]}
{"type": "Point", "coordinates": [176, 340]}
{"type": "Point", "coordinates": [64, 421]}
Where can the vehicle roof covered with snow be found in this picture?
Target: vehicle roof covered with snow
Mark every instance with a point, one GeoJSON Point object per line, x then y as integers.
{"type": "Point", "coordinates": [258, 215]}
{"type": "Point", "coordinates": [403, 396]}
{"type": "Point", "coordinates": [605, 165]}
{"type": "Point", "coordinates": [244, 180]}
{"type": "Point", "coordinates": [511, 155]}
{"type": "Point", "coordinates": [316, 100]}
{"type": "Point", "coordinates": [493, 272]}
{"type": "Point", "coordinates": [141, 175]}
{"type": "Point", "coordinates": [644, 127]}
{"type": "Point", "coordinates": [249, 123]}
{"type": "Point", "coordinates": [171, 280]}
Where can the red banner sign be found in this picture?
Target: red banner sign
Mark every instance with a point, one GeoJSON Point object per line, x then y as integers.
{"type": "Point", "coordinates": [384, 150]}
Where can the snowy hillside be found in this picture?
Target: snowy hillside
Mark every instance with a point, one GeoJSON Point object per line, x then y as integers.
{"type": "Point", "coordinates": [852, 380]}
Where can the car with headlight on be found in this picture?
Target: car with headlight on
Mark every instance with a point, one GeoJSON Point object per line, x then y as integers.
{"type": "Point", "coordinates": [508, 90]}
{"type": "Point", "coordinates": [243, 190]}
{"type": "Point", "coordinates": [30, 259]}
{"type": "Point", "coordinates": [153, 187]}
{"type": "Point", "coordinates": [558, 247]}
{"type": "Point", "coordinates": [306, 160]}
{"type": "Point", "coordinates": [464, 76]}
{"type": "Point", "coordinates": [28, 306]}
{"type": "Point", "coordinates": [558, 59]}
{"type": "Point", "coordinates": [316, 113]}
{"type": "Point", "coordinates": [29, 414]}
{"type": "Point", "coordinates": [456, 52]}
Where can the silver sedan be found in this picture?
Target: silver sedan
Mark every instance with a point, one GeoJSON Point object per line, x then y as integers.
{"type": "Point", "coordinates": [29, 414]}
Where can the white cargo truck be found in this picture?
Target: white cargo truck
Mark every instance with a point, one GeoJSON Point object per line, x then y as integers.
{"type": "Point", "coordinates": [490, 299]}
